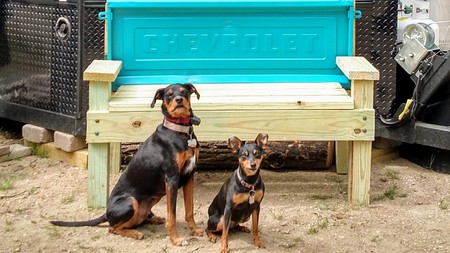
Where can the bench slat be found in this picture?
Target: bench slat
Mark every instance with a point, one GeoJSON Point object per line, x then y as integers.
{"type": "Point", "coordinates": [240, 92]}
{"type": "Point", "coordinates": [284, 96]}
{"type": "Point", "coordinates": [314, 125]}
{"type": "Point", "coordinates": [244, 103]}
{"type": "Point", "coordinates": [250, 86]}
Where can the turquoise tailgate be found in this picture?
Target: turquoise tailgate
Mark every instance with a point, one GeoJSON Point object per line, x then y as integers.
{"type": "Point", "coordinates": [229, 41]}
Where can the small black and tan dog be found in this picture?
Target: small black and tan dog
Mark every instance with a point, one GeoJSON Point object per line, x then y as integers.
{"type": "Point", "coordinates": [164, 163]}
{"type": "Point", "coordinates": [241, 195]}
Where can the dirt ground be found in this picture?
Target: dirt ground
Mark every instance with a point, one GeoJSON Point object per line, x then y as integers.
{"type": "Point", "coordinates": [303, 211]}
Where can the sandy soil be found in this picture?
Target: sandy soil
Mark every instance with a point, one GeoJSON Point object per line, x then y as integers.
{"type": "Point", "coordinates": [303, 211]}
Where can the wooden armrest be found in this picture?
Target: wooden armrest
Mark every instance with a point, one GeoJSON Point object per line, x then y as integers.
{"type": "Point", "coordinates": [102, 71]}
{"type": "Point", "coordinates": [357, 68]}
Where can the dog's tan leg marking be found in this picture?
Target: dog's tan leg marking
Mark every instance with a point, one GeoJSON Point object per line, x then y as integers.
{"type": "Point", "coordinates": [212, 237]}
{"type": "Point", "coordinates": [171, 222]}
{"type": "Point", "coordinates": [124, 229]}
{"type": "Point", "coordinates": [255, 221]}
{"type": "Point", "coordinates": [188, 192]}
{"type": "Point", "coordinates": [148, 215]}
{"type": "Point", "coordinates": [225, 230]}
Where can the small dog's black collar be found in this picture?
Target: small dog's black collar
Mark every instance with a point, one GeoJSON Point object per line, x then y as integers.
{"type": "Point", "coordinates": [245, 184]}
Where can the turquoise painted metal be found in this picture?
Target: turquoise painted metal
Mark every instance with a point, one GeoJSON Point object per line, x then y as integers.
{"type": "Point", "coordinates": [229, 41]}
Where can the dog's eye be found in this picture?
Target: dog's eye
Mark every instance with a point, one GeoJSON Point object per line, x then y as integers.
{"type": "Point", "coordinates": [170, 92]}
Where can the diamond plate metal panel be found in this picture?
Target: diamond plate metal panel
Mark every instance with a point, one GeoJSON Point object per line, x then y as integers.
{"type": "Point", "coordinates": [376, 34]}
{"type": "Point", "coordinates": [25, 54]}
{"type": "Point", "coordinates": [41, 68]}
{"type": "Point", "coordinates": [93, 44]}
{"type": "Point", "coordinates": [64, 64]}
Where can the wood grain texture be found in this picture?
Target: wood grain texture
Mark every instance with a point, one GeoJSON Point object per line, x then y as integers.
{"type": "Point", "coordinates": [279, 96]}
{"type": "Point", "coordinates": [357, 68]}
{"type": "Point", "coordinates": [98, 174]}
{"type": "Point", "coordinates": [102, 70]}
{"type": "Point", "coordinates": [312, 125]}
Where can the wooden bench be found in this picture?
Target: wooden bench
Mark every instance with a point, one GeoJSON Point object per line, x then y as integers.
{"type": "Point", "coordinates": [292, 108]}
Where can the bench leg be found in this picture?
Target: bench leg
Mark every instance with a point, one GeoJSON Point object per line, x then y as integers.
{"type": "Point", "coordinates": [343, 156]}
{"type": "Point", "coordinates": [114, 153]}
{"type": "Point", "coordinates": [98, 174]}
{"type": "Point", "coordinates": [359, 173]}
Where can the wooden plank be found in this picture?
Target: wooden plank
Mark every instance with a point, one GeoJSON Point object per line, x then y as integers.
{"type": "Point", "coordinates": [77, 158]}
{"type": "Point", "coordinates": [243, 103]}
{"type": "Point", "coordinates": [314, 125]}
{"type": "Point", "coordinates": [343, 156]}
{"type": "Point", "coordinates": [102, 70]}
{"type": "Point", "coordinates": [384, 155]}
{"type": "Point", "coordinates": [140, 93]}
{"type": "Point", "coordinates": [102, 91]}
{"type": "Point", "coordinates": [100, 74]}
{"type": "Point", "coordinates": [242, 86]}
{"type": "Point", "coordinates": [98, 175]}
{"type": "Point", "coordinates": [357, 68]}
{"type": "Point", "coordinates": [359, 175]}
{"type": "Point", "coordinates": [360, 168]}
{"type": "Point", "coordinates": [292, 96]}
{"type": "Point", "coordinates": [115, 157]}
{"type": "Point", "coordinates": [362, 93]}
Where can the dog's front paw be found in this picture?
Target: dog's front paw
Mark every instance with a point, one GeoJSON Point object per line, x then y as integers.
{"type": "Point", "coordinates": [243, 229]}
{"type": "Point", "coordinates": [156, 220]}
{"type": "Point", "coordinates": [197, 232]}
{"type": "Point", "coordinates": [259, 243]}
{"type": "Point", "coordinates": [224, 250]}
{"type": "Point", "coordinates": [178, 241]}
{"type": "Point", "coordinates": [212, 237]}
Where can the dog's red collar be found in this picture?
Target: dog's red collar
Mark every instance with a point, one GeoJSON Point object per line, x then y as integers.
{"type": "Point", "coordinates": [177, 127]}
{"type": "Point", "coordinates": [185, 121]}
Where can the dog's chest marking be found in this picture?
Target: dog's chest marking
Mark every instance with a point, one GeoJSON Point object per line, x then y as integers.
{"type": "Point", "coordinates": [189, 165]}
{"type": "Point", "coordinates": [247, 197]}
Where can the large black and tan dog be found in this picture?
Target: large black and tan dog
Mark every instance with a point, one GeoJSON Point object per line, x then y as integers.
{"type": "Point", "coordinates": [241, 195]}
{"type": "Point", "coordinates": [164, 163]}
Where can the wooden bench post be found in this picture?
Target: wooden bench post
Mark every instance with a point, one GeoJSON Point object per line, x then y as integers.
{"type": "Point", "coordinates": [100, 75]}
{"type": "Point", "coordinates": [362, 75]}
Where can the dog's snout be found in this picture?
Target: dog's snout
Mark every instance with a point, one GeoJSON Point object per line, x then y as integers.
{"type": "Point", "coordinates": [253, 163]}
{"type": "Point", "coordinates": [179, 99]}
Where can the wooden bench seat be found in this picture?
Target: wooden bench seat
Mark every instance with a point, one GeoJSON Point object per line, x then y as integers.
{"type": "Point", "coordinates": [306, 111]}
{"type": "Point", "coordinates": [286, 111]}
{"type": "Point", "coordinates": [249, 96]}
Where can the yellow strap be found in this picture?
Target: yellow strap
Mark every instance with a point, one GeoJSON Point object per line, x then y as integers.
{"type": "Point", "coordinates": [406, 109]}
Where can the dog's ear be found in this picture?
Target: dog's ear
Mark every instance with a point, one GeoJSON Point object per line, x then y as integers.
{"type": "Point", "coordinates": [158, 95]}
{"type": "Point", "coordinates": [192, 89]}
{"type": "Point", "coordinates": [262, 139]}
{"type": "Point", "coordinates": [234, 144]}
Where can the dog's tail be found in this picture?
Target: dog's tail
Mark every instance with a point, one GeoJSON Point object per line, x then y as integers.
{"type": "Point", "coordinates": [93, 222]}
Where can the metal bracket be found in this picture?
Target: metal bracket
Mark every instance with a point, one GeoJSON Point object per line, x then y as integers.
{"type": "Point", "coordinates": [354, 14]}
{"type": "Point", "coordinates": [410, 55]}
{"type": "Point", "coordinates": [105, 15]}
